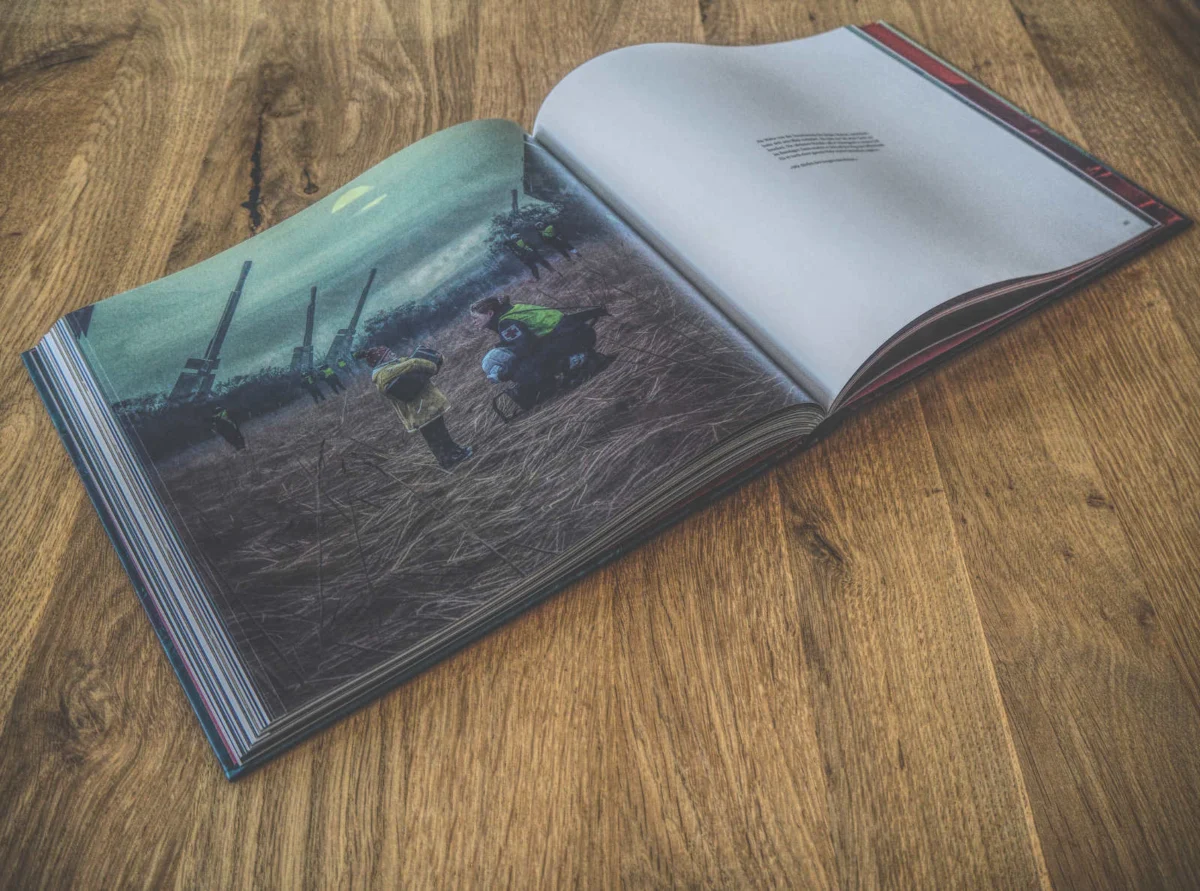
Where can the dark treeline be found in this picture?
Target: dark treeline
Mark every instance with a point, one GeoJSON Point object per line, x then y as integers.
{"type": "Point", "coordinates": [527, 221]}
{"type": "Point", "coordinates": [166, 427]}
{"type": "Point", "coordinates": [413, 321]}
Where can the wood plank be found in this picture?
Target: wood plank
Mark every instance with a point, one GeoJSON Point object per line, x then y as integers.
{"type": "Point", "coordinates": [528, 49]}
{"type": "Point", "coordinates": [84, 743]}
{"type": "Point", "coordinates": [1099, 712]}
{"type": "Point", "coordinates": [923, 782]}
{"type": "Point", "coordinates": [1166, 34]}
{"type": "Point", "coordinates": [717, 776]}
{"type": "Point", "coordinates": [131, 91]}
{"type": "Point", "coordinates": [293, 828]}
{"type": "Point", "coordinates": [36, 150]}
{"type": "Point", "coordinates": [750, 21]}
{"type": "Point", "coordinates": [1007, 433]}
{"type": "Point", "coordinates": [95, 220]}
{"type": "Point", "coordinates": [526, 715]}
{"type": "Point", "coordinates": [1128, 113]}
{"type": "Point", "coordinates": [307, 110]}
{"type": "Point", "coordinates": [946, 594]}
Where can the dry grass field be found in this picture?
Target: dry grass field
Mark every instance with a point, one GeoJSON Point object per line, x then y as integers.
{"type": "Point", "coordinates": [337, 539]}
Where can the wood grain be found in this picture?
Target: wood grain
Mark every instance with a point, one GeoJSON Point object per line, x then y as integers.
{"type": "Point", "coordinates": [957, 644]}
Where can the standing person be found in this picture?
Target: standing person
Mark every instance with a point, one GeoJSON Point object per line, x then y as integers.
{"type": "Point", "coordinates": [527, 254]}
{"type": "Point", "coordinates": [309, 382]}
{"type": "Point", "coordinates": [408, 386]}
{"type": "Point", "coordinates": [555, 238]}
{"type": "Point", "coordinates": [330, 377]}
{"type": "Point", "coordinates": [222, 424]}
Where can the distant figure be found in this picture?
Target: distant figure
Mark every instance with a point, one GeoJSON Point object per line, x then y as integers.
{"type": "Point", "coordinates": [408, 386]}
{"type": "Point", "coordinates": [527, 254]}
{"type": "Point", "coordinates": [309, 382]}
{"type": "Point", "coordinates": [499, 313]}
{"type": "Point", "coordinates": [556, 239]}
{"type": "Point", "coordinates": [330, 377]}
{"type": "Point", "coordinates": [222, 424]}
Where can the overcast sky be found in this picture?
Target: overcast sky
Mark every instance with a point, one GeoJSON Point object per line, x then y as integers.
{"type": "Point", "coordinates": [419, 216]}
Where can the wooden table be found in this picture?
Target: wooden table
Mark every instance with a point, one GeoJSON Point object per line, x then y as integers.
{"type": "Point", "coordinates": [956, 644]}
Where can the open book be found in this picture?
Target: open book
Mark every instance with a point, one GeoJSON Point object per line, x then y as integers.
{"type": "Point", "coordinates": [340, 451]}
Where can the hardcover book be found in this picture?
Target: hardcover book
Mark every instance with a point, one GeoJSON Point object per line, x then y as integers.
{"type": "Point", "coordinates": [340, 451]}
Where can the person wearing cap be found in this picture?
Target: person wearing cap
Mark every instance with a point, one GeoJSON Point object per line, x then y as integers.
{"type": "Point", "coordinates": [546, 342]}
{"type": "Point", "coordinates": [533, 380]}
{"type": "Point", "coordinates": [512, 321]}
{"type": "Point", "coordinates": [408, 386]}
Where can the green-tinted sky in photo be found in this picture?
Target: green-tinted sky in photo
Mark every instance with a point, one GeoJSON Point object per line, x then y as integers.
{"type": "Point", "coordinates": [421, 217]}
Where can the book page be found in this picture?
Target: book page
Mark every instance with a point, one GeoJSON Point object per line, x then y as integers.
{"type": "Point", "coordinates": [441, 384]}
{"type": "Point", "coordinates": [821, 192]}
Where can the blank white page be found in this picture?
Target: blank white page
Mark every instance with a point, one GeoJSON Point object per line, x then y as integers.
{"type": "Point", "coordinates": [888, 197]}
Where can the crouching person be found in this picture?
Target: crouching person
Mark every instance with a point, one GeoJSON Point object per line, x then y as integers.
{"type": "Point", "coordinates": [533, 379]}
{"type": "Point", "coordinates": [408, 386]}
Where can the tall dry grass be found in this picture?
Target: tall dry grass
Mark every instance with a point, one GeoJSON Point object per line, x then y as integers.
{"type": "Point", "coordinates": [338, 541]}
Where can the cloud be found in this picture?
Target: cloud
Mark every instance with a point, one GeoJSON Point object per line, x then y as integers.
{"type": "Point", "coordinates": [422, 277]}
{"type": "Point", "coordinates": [349, 197]}
{"type": "Point", "coordinates": [369, 205]}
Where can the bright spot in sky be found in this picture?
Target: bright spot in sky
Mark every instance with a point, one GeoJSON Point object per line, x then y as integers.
{"type": "Point", "coordinates": [370, 204]}
{"type": "Point", "coordinates": [349, 197]}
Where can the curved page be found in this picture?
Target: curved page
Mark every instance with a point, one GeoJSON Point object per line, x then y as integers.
{"type": "Point", "coordinates": [821, 192]}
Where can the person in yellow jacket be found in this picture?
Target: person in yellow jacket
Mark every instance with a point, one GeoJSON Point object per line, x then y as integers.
{"type": "Point", "coordinates": [408, 386]}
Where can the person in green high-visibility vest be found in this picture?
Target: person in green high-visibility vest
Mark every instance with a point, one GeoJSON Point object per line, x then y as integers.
{"type": "Point", "coordinates": [527, 254]}
{"type": "Point", "coordinates": [538, 320]}
{"type": "Point", "coordinates": [330, 378]}
{"type": "Point", "coordinates": [545, 344]}
{"type": "Point", "coordinates": [309, 382]}
{"type": "Point", "coordinates": [553, 236]}
{"type": "Point", "coordinates": [520, 325]}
